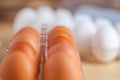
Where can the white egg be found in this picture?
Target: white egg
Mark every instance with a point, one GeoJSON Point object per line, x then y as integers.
{"type": "Point", "coordinates": [83, 17]}
{"type": "Point", "coordinates": [102, 22]}
{"type": "Point", "coordinates": [85, 30]}
{"type": "Point", "coordinates": [65, 18]}
{"type": "Point", "coordinates": [46, 17]}
{"type": "Point", "coordinates": [24, 18]}
{"type": "Point", "coordinates": [118, 31]}
{"type": "Point", "coordinates": [105, 44]}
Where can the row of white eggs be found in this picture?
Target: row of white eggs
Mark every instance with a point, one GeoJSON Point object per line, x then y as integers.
{"type": "Point", "coordinates": [43, 15]}
{"type": "Point", "coordinates": [98, 37]}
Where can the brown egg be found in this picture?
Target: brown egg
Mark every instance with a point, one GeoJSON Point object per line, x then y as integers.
{"type": "Point", "coordinates": [28, 35]}
{"type": "Point", "coordinates": [59, 34]}
{"type": "Point", "coordinates": [27, 48]}
{"type": "Point", "coordinates": [63, 63]}
{"type": "Point", "coordinates": [18, 66]}
{"type": "Point", "coordinates": [58, 40]}
{"type": "Point", "coordinates": [60, 29]}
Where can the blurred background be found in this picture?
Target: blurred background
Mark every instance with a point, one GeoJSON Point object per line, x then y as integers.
{"type": "Point", "coordinates": [9, 8]}
{"type": "Point", "coordinates": [109, 9]}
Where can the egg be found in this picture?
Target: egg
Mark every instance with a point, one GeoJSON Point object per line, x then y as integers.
{"type": "Point", "coordinates": [24, 18]}
{"type": "Point", "coordinates": [82, 17]}
{"type": "Point", "coordinates": [45, 17]}
{"type": "Point", "coordinates": [63, 63]}
{"type": "Point", "coordinates": [102, 22]}
{"type": "Point", "coordinates": [65, 18]}
{"type": "Point", "coordinates": [105, 44]}
{"type": "Point", "coordinates": [60, 31]}
{"type": "Point", "coordinates": [62, 57]}
{"type": "Point", "coordinates": [28, 35]}
{"type": "Point", "coordinates": [118, 31]}
{"type": "Point", "coordinates": [18, 66]}
{"type": "Point", "coordinates": [85, 30]}
{"type": "Point", "coordinates": [24, 46]}
{"type": "Point", "coordinates": [62, 35]}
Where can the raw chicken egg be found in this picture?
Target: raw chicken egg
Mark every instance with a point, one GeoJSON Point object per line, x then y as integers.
{"type": "Point", "coordinates": [85, 30]}
{"type": "Point", "coordinates": [105, 44]}
{"type": "Point", "coordinates": [24, 46]}
{"type": "Point", "coordinates": [24, 18]}
{"type": "Point", "coordinates": [28, 35]}
{"type": "Point", "coordinates": [18, 66]}
{"type": "Point", "coordinates": [102, 22]}
{"type": "Point", "coordinates": [62, 34]}
{"type": "Point", "coordinates": [45, 17]}
{"type": "Point", "coordinates": [65, 18]}
{"type": "Point", "coordinates": [63, 63]}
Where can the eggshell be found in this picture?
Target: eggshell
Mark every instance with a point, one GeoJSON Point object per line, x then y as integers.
{"type": "Point", "coordinates": [82, 17]}
{"type": "Point", "coordinates": [105, 44]}
{"type": "Point", "coordinates": [102, 22]}
{"type": "Point", "coordinates": [118, 31]}
{"type": "Point", "coordinates": [29, 35]}
{"type": "Point", "coordinates": [63, 63]}
{"type": "Point", "coordinates": [60, 31]}
{"type": "Point", "coordinates": [62, 34]}
{"type": "Point", "coordinates": [24, 18]}
{"type": "Point", "coordinates": [18, 66]}
{"type": "Point", "coordinates": [45, 17]}
{"type": "Point", "coordinates": [65, 18]}
{"type": "Point", "coordinates": [85, 30]}
{"type": "Point", "coordinates": [24, 46]}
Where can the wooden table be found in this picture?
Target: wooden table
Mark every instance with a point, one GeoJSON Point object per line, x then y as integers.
{"type": "Point", "coordinates": [97, 71]}
{"type": "Point", "coordinates": [92, 70]}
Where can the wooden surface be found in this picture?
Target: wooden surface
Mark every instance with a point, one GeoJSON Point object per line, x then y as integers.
{"type": "Point", "coordinates": [92, 70]}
